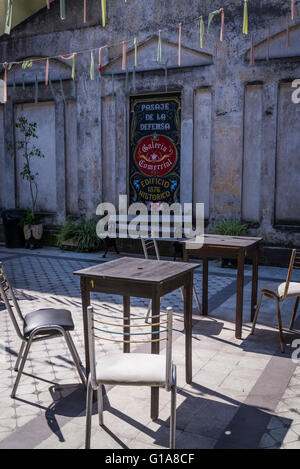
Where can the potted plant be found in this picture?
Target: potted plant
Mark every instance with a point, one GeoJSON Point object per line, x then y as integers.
{"type": "Point", "coordinates": [81, 236]}
{"type": "Point", "coordinates": [31, 222]}
{"type": "Point", "coordinates": [229, 227]}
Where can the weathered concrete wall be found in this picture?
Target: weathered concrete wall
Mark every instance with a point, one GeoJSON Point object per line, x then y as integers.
{"type": "Point", "coordinates": [240, 129]}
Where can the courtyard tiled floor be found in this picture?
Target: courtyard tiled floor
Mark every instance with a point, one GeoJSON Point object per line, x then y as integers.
{"type": "Point", "coordinates": [244, 393]}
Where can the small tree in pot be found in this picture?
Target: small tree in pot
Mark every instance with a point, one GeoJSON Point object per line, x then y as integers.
{"type": "Point", "coordinates": [33, 228]}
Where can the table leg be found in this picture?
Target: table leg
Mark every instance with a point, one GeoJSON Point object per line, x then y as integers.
{"type": "Point", "coordinates": [188, 312]}
{"type": "Point", "coordinates": [155, 349]}
{"type": "Point", "coordinates": [205, 287]}
{"type": "Point", "coordinates": [86, 301]}
{"type": "Point", "coordinates": [239, 294]}
{"type": "Point", "coordinates": [126, 307]}
{"type": "Point", "coordinates": [254, 281]}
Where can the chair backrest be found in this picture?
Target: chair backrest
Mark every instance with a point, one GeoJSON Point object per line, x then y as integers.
{"type": "Point", "coordinates": [112, 328]}
{"type": "Point", "coordinates": [14, 309]}
{"type": "Point", "coordinates": [150, 244]}
{"type": "Point", "coordinates": [294, 264]}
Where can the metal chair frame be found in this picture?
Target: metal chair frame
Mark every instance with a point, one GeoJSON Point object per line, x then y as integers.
{"type": "Point", "coordinates": [49, 332]}
{"type": "Point", "coordinates": [151, 243]}
{"type": "Point", "coordinates": [294, 264]}
{"type": "Point", "coordinates": [95, 385]}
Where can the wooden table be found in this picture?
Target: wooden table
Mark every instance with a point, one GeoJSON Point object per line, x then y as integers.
{"type": "Point", "coordinates": [141, 278]}
{"type": "Point", "coordinates": [236, 247]}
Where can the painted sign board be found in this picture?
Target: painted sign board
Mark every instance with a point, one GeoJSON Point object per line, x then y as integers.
{"type": "Point", "coordinates": [155, 135]}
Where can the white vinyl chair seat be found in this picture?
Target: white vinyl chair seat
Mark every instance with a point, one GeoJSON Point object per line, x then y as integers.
{"type": "Point", "coordinates": [132, 369]}
{"type": "Point", "coordinates": [278, 290]}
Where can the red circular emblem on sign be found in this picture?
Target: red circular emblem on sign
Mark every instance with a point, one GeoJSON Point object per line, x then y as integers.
{"type": "Point", "coordinates": [155, 155]}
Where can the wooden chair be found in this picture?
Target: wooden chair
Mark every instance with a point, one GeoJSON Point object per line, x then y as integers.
{"type": "Point", "coordinates": [129, 369]}
{"type": "Point", "coordinates": [279, 293]}
{"type": "Point", "coordinates": [43, 324]}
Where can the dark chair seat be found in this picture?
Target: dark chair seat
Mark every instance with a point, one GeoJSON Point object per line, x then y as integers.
{"type": "Point", "coordinates": [48, 317]}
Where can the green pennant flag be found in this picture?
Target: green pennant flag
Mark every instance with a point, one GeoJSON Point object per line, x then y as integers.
{"type": "Point", "coordinates": [201, 31]}
{"type": "Point", "coordinates": [92, 67]}
{"type": "Point", "coordinates": [8, 16]}
{"type": "Point", "coordinates": [159, 47]}
{"type": "Point", "coordinates": [62, 9]}
{"type": "Point", "coordinates": [103, 8]}
{"type": "Point", "coordinates": [245, 20]}
{"type": "Point", "coordinates": [211, 17]}
{"type": "Point", "coordinates": [73, 67]}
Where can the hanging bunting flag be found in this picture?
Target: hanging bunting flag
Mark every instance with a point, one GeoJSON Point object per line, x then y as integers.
{"type": "Point", "coordinates": [124, 55]}
{"type": "Point", "coordinates": [268, 43]}
{"type": "Point", "coordinates": [211, 17]}
{"type": "Point", "coordinates": [103, 8]}
{"type": "Point", "coordinates": [48, 4]}
{"type": "Point", "coordinates": [245, 20]}
{"type": "Point", "coordinates": [8, 16]}
{"type": "Point", "coordinates": [252, 50]}
{"type": "Point", "coordinates": [84, 11]}
{"type": "Point", "coordinates": [159, 48]}
{"type": "Point", "coordinates": [293, 10]}
{"type": "Point", "coordinates": [36, 91]}
{"type": "Point", "coordinates": [62, 90]}
{"type": "Point", "coordinates": [179, 44]}
{"type": "Point", "coordinates": [135, 51]}
{"type": "Point", "coordinates": [222, 24]}
{"type": "Point", "coordinates": [47, 72]}
{"type": "Point", "coordinates": [201, 31]}
{"type": "Point", "coordinates": [62, 9]}
{"type": "Point", "coordinates": [5, 83]}
{"type": "Point", "coordinates": [73, 67]}
{"type": "Point", "coordinates": [92, 67]}
{"type": "Point", "coordinates": [100, 58]}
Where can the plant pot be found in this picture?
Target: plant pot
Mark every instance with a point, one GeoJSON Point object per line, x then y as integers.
{"type": "Point", "coordinates": [33, 235]}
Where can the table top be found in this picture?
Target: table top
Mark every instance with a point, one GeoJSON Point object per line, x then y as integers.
{"type": "Point", "coordinates": [137, 270]}
{"type": "Point", "coordinates": [228, 241]}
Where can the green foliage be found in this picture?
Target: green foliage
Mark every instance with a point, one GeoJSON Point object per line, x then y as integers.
{"type": "Point", "coordinates": [29, 218]}
{"type": "Point", "coordinates": [83, 233]}
{"type": "Point", "coordinates": [29, 151]}
{"type": "Point", "coordinates": [229, 227]}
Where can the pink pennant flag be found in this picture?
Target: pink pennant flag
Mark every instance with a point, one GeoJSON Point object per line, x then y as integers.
{"type": "Point", "coordinates": [47, 72]}
{"type": "Point", "coordinates": [100, 58]}
{"type": "Point", "coordinates": [84, 11]}
{"type": "Point", "coordinates": [124, 50]}
{"type": "Point", "coordinates": [222, 25]}
{"type": "Point", "coordinates": [293, 10]}
{"type": "Point", "coordinates": [48, 4]}
{"type": "Point", "coordinates": [5, 84]}
{"type": "Point", "coordinates": [179, 44]}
